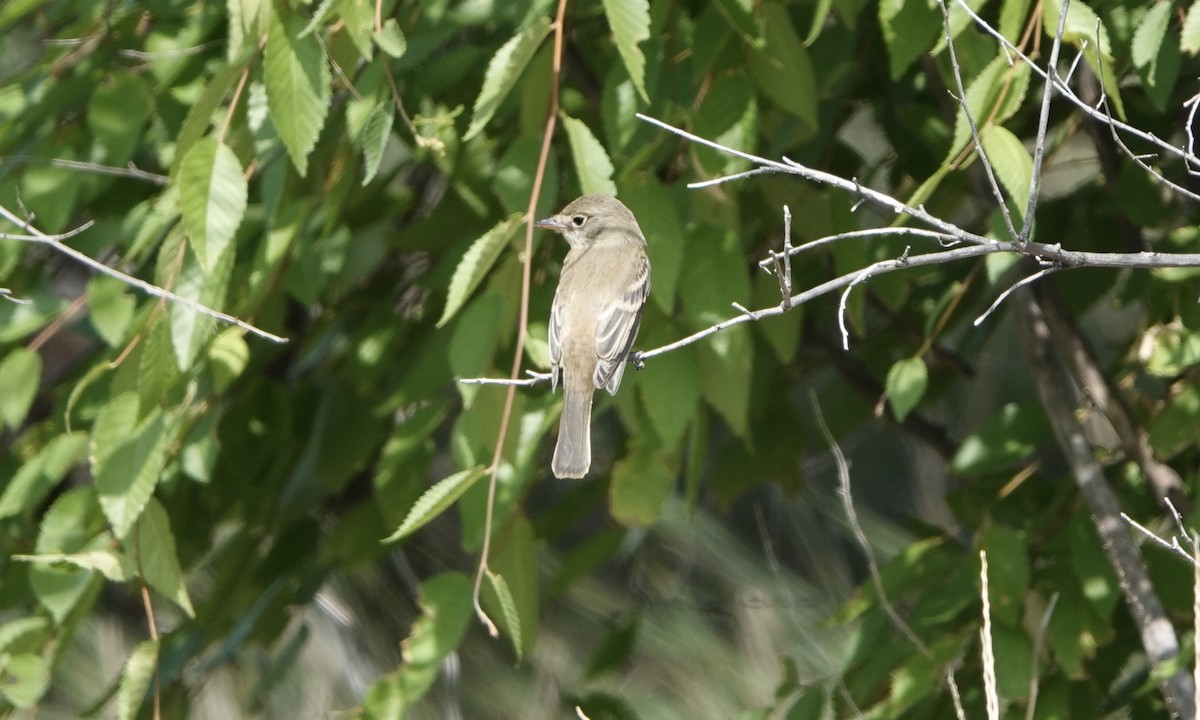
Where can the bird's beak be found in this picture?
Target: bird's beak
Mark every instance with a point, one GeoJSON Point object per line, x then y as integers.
{"type": "Point", "coordinates": [551, 223]}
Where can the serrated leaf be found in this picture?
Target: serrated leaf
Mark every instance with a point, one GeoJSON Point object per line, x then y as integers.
{"type": "Point", "coordinates": [374, 138]}
{"type": "Point", "coordinates": [110, 308]}
{"type": "Point", "coordinates": [1082, 27]}
{"type": "Point", "coordinates": [906, 383]}
{"type": "Point", "coordinates": [1189, 35]}
{"type": "Point", "coordinates": [641, 484]}
{"type": "Point", "coordinates": [212, 199]}
{"type": "Point", "coordinates": [195, 125]}
{"type": "Point", "coordinates": [110, 564]}
{"type": "Point", "coordinates": [135, 680]}
{"type": "Point", "coordinates": [158, 559]}
{"type": "Point", "coordinates": [476, 263]}
{"type": "Point", "coordinates": [247, 23]}
{"type": "Point", "coordinates": [117, 112]}
{"type": "Point", "coordinates": [995, 93]}
{"type": "Point", "coordinates": [1011, 161]}
{"type": "Point", "coordinates": [436, 499]}
{"type": "Point", "coordinates": [508, 608]}
{"type": "Point", "coordinates": [228, 356]}
{"type": "Point", "coordinates": [670, 387]}
{"type": "Point", "coordinates": [20, 373]}
{"type": "Point", "coordinates": [818, 21]}
{"type": "Point", "coordinates": [502, 73]}
{"type": "Point", "coordinates": [390, 39]}
{"type": "Point", "coordinates": [26, 678]}
{"type": "Point", "coordinates": [189, 328]}
{"type": "Point", "coordinates": [592, 165]}
{"type": "Point", "coordinates": [1148, 37]}
{"type": "Point", "coordinates": [298, 87]}
{"type": "Point", "coordinates": [34, 480]}
{"type": "Point", "coordinates": [126, 474]}
{"type": "Point", "coordinates": [630, 23]}
{"type": "Point", "coordinates": [1004, 439]}
{"type": "Point", "coordinates": [1013, 16]}
{"type": "Point", "coordinates": [910, 29]}
{"type": "Point", "coordinates": [782, 67]}
{"type": "Point", "coordinates": [445, 602]}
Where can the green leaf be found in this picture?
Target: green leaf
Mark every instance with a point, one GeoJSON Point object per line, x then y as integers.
{"type": "Point", "coordinates": [906, 383]}
{"type": "Point", "coordinates": [38, 476]}
{"type": "Point", "coordinates": [247, 23]}
{"type": "Point", "coordinates": [445, 602]}
{"type": "Point", "coordinates": [1177, 426]}
{"type": "Point", "coordinates": [228, 356]}
{"type": "Point", "coordinates": [117, 112]}
{"type": "Point", "coordinates": [298, 87]}
{"type": "Point", "coordinates": [641, 484]}
{"type": "Point", "coordinates": [820, 15]}
{"type": "Point", "coordinates": [26, 678]}
{"type": "Point", "coordinates": [782, 67]}
{"type": "Point", "coordinates": [189, 328]}
{"type": "Point", "coordinates": [514, 557]}
{"type": "Point", "coordinates": [158, 559]}
{"type": "Point", "coordinates": [20, 373]}
{"type": "Point", "coordinates": [1172, 349]}
{"type": "Point", "coordinates": [476, 263]}
{"type": "Point", "coordinates": [212, 199]}
{"type": "Point", "coordinates": [436, 499]}
{"type": "Point", "coordinates": [1011, 161]}
{"type": "Point", "coordinates": [135, 680]}
{"type": "Point", "coordinates": [1080, 28]}
{"type": "Point", "coordinates": [110, 564]}
{"type": "Point", "coordinates": [910, 29]}
{"type": "Point", "coordinates": [592, 165]}
{"type": "Point", "coordinates": [390, 39]}
{"type": "Point", "coordinates": [1006, 438]}
{"type": "Point", "coordinates": [1147, 40]}
{"type": "Point", "coordinates": [200, 116]}
{"type": "Point", "coordinates": [127, 462]}
{"type": "Point", "coordinates": [1189, 35]}
{"type": "Point", "coordinates": [374, 138]}
{"type": "Point", "coordinates": [670, 388]}
{"type": "Point", "coordinates": [994, 94]}
{"type": "Point", "coordinates": [502, 73]}
{"type": "Point", "coordinates": [630, 23]}
{"type": "Point", "coordinates": [508, 609]}
{"type": "Point", "coordinates": [1008, 571]}
{"type": "Point", "coordinates": [110, 308]}
{"type": "Point", "coordinates": [1014, 14]}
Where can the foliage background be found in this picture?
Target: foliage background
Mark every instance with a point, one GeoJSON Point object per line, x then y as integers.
{"type": "Point", "coordinates": [359, 185]}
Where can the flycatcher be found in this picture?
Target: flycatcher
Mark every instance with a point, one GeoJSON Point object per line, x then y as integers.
{"type": "Point", "coordinates": [597, 309]}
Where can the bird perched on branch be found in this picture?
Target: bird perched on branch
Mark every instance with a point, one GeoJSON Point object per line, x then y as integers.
{"type": "Point", "coordinates": [595, 317]}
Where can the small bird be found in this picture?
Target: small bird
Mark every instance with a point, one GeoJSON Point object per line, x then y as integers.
{"type": "Point", "coordinates": [595, 316]}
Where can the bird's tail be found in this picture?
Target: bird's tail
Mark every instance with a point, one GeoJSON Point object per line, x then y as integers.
{"type": "Point", "coordinates": [573, 453]}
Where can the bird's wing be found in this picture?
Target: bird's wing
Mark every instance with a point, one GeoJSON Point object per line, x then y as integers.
{"type": "Point", "coordinates": [555, 340]}
{"type": "Point", "coordinates": [617, 326]}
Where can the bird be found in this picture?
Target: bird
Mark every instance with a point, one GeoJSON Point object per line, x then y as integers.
{"type": "Point", "coordinates": [595, 316]}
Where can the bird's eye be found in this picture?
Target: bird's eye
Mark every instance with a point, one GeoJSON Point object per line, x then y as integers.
{"type": "Point", "coordinates": [579, 220]}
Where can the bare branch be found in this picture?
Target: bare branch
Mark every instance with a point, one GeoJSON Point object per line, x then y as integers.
{"type": "Point", "coordinates": [53, 241]}
{"type": "Point", "coordinates": [1016, 286]}
{"type": "Point", "coordinates": [1039, 148]}
{"type": "Point", "coordinates": [962, 101]}
{"type": "Point", "coordinates": [129, 171]}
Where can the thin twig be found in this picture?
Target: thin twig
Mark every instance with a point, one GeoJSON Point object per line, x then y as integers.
{"type": "Point", "coordinates": [1039, 640]}
{"type": "Point", "coordinates": [985, 635]}
{"type": "Point", "coordinates": [523, 329]}
{"type": "Point", "coordinates": [1039, 148]}
{"type": "Point", "coordinates": [1015, 286]}
{"type": "Point", "coordinates": [966, 108]}
{"type": "Point", "coordinates": [843, 471]}
{"type": "Point", "coordinates": [130, 171]}
{"type": "Point", "coordinates": [52, 241]}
